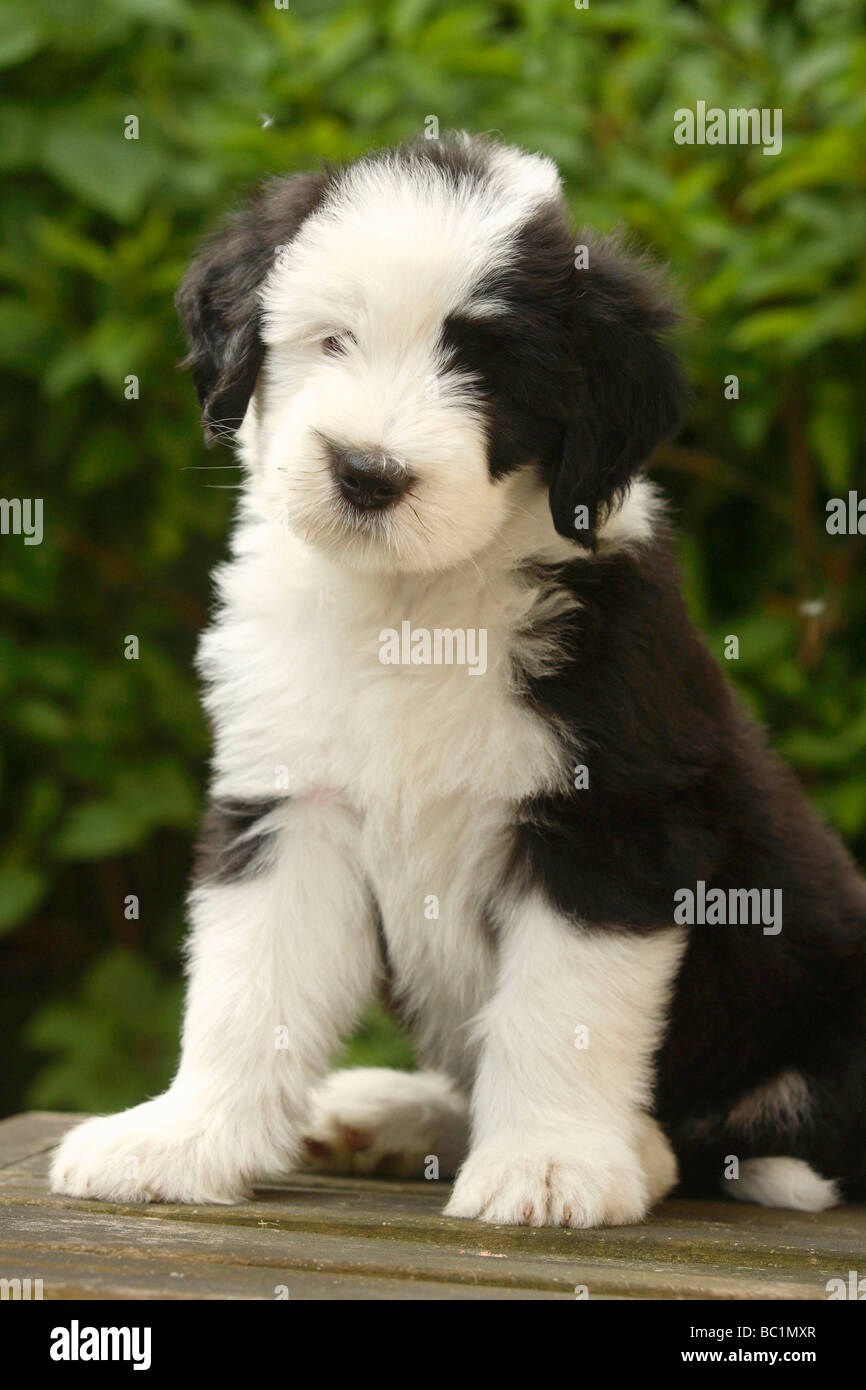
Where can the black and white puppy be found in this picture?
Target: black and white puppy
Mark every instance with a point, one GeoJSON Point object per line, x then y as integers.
{"type": "Point", "coordinates": [468, 744]}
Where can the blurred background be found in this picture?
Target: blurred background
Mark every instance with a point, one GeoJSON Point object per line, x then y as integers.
{"type": "Point", "coordinates": [104, 757]}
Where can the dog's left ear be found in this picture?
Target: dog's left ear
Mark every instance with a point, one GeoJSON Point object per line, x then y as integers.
{"type": "Point", "coordinates": [628, 389]}
{"type": "Point", "coordinates": [218, 299]}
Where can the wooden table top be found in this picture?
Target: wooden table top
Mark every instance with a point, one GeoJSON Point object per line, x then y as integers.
{"type": "Point", "coordinates": [318, 1237]}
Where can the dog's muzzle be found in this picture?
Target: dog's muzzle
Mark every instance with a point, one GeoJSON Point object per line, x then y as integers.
{"type": "Point", "coordinates": [371, 482]}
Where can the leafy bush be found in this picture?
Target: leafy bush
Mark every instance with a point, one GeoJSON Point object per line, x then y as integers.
{"type": "Point", "coordinates": [105, 756]}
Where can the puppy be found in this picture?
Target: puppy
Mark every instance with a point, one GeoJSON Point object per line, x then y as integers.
{"type": "Point", "coordinates": [469, 746]}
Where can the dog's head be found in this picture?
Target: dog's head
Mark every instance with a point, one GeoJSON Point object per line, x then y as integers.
{"type": "Point", "coordinates": [393, 341]}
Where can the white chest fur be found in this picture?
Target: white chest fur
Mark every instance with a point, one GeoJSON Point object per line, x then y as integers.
{"type": "Point", "coordinates": [302, 699]}
{"type": "Point", "coordinates": [431, 757]}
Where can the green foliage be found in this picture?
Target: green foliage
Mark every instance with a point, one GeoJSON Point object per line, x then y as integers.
{"type": "Point", "coordinates": [107, 1054]}
{"type": "Point", "coordinates": [378, 1043]}
{"type": "Point", "coordinates": [104, 757]}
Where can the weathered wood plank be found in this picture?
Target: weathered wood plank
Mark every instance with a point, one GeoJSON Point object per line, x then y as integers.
{"type": "Point", "coordinates": [31, 1236]}
{"type": "Point", "coordinates": [22, 1136]}
{"type": "Point", "coordinates": [711, 1234]}
{"type": "Point", "coordinates": [385, 1238]}
{"type": "Point", "coordinates": [88, 1276]}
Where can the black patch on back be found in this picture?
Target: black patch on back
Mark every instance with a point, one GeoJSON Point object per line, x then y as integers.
{"type": "Point", "coordinates": [231, 844]}
{"type": "Point", "coordinates": [682, 787]}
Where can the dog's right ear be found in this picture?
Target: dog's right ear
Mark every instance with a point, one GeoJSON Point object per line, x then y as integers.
{"type": "Point", "coordinates": [218, 298]}
{"type": "Point", "coordinates": [629, 385]}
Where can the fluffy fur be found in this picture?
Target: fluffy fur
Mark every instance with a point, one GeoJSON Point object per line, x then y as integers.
{"type": "Point", "coordinates": [418, 319]}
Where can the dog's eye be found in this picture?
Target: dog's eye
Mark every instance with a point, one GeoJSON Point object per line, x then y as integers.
{"type": "Point", "coordinates": [335, 345]}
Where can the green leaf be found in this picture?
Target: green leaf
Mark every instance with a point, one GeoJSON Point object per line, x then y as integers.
{"type": "Point", "coordinates": [98, 829]}
{"type": "Point", "coordinates": [158, 794]}
{"type": "Point", "coordinates": [21, 891]}
{"type": "Point", "coordinates": [20, 36]}
{"type": "Point", "coordinates": [113, 1043]}
{"type": "Point", "coordinates": [104, 169]}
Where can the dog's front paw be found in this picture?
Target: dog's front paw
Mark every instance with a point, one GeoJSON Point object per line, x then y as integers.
{"type": "Point", "coordinates": [511, 1182]}
{"type": "Point", "coordinates": [147, 1154]}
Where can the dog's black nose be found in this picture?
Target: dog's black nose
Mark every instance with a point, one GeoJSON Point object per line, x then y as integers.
{"type": "Point", "coordinates": [368, 481]}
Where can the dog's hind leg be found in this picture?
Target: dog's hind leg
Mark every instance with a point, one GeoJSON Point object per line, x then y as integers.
{"type": "Point", "coordinates": [785, 1144]}
{"type": "Point", "coordinates": [783, 1182]}
{"type": "Point", "coordinates": [376, 1120]}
